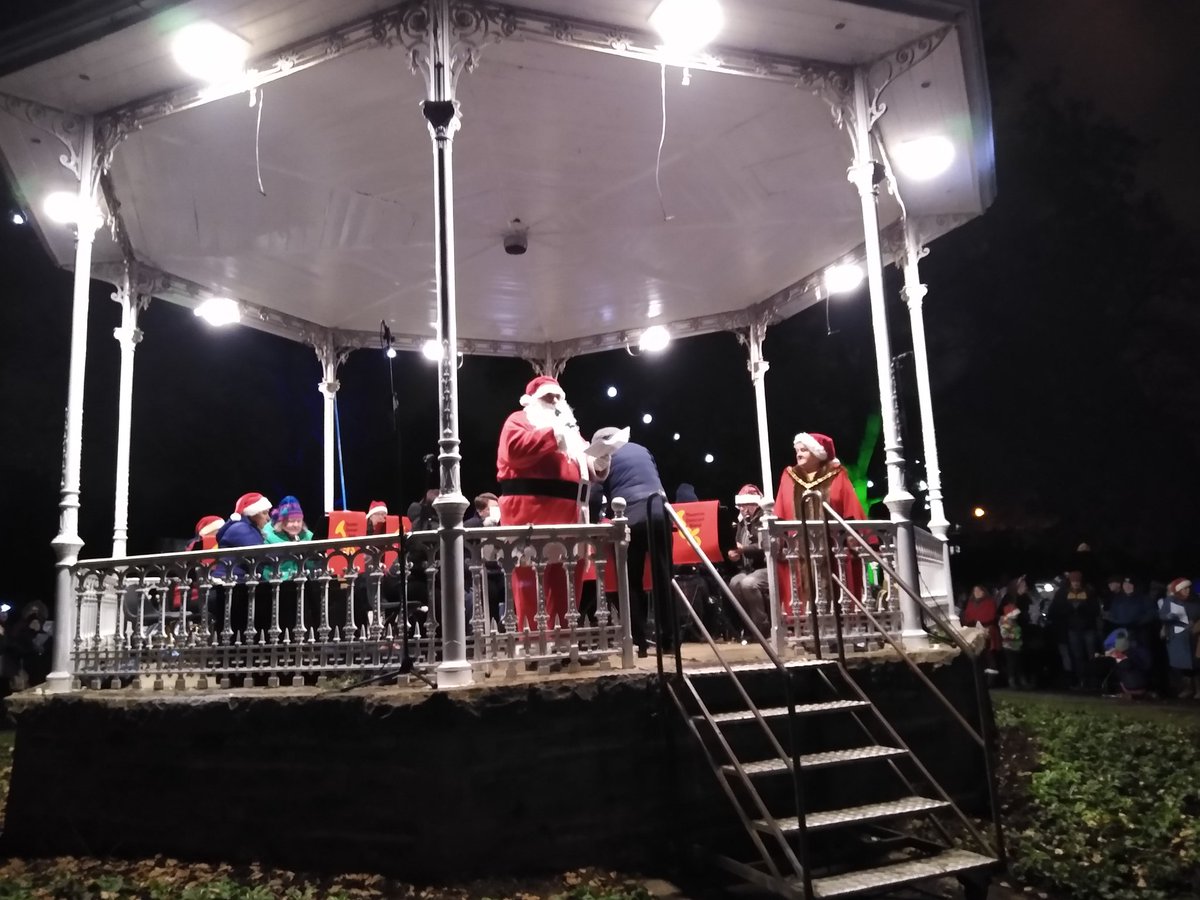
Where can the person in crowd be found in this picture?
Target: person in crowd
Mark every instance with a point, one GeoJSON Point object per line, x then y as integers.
{"type": "Point", "coordinates": [1031, 663]}
{"type": "Point", "coordinates": [542, 469]}
{"type": "Point", "coordinates": [980, 609]}
{"type": "Point", "coordinates": [377, 513]}
{"type": "Point", "coordinates": [1130, 665]}
{"type": "Point", "coordinates": [1012, 641]}
{"type": "Point", "coordinates": [1180, 612]}
{"type": "Point", "coordinates": [749, 584]}
{"type": "Point", "coordinates": [243, 529]}
{"type": "Point", "coordinates": [1136, 613]}
{"type": "Point", "coordinates": [1074, 617]}
{"type": "Point", "coordinates": [207, 527]}
{"type": "Point", "coordinates": [818, 470]}
{"type": "Point", "coordinates": [421, 512]}
{"type": "Point", "coordinates": [686, 493]}
{"type": "Point", "coordinates": [633, 475]}
{"type": "Point", "coordinates": [286, 526]}
{"type": "Point", "coordinates": [487, 514]}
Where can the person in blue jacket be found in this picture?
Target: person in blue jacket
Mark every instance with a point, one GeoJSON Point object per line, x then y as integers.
{"type": "Point", "coordinates": [244, 529]}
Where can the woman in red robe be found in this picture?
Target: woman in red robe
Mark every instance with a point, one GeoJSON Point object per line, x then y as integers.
{"type": "Point", "coordinates": [817, 469]}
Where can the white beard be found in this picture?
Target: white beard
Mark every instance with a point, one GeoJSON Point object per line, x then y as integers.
{"type": "Point", "coordinates": [561, 418]}
{"type": "Point", "coordinates": [543, 415]}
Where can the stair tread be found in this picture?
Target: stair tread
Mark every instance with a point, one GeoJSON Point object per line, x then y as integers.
{"type": "Point", "coordinates": [817, 760]}
{"type": "Point", "coordinates": [764, 666]}
{"type": "Point", "coordinates": [948, 862]}
{"type": "Point", "coordinates": [852, 814]}
{"type": "Point", "coordinates": [802, 709]}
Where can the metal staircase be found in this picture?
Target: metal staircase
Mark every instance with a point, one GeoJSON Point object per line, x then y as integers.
{"type": "Point", "coordinates": [832, 801]}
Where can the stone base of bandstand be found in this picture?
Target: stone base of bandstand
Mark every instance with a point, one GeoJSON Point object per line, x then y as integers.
{"type": "Point", "coordinates": [511, 776]}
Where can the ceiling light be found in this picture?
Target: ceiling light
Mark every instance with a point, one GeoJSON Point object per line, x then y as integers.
{"type": "Point", "coordinates": [218, 311]}
{"type": "Point", "coordinates": [647, 419]}
{"type": "Point", "coordinates": [63, 207]}
{"type": "Point", "coordinates": [844, 278]}
{"type": "Point", "coordinates": [708, 457]}
{"type": "Point", "coordinates": [687, 25]}
{"type": "Point", "coordinates": [924, 158]}
{"type": "Point", "coordinates": [18, 219]}
{"type": "Point", "coordinates": [979, 512]}
{"type": "Point", "coordinates": [612, 392]}
{"type": "Point", "coordinates": [654, 339]}
{"type": "Point", "coordinates": [391, 352]}
{"type": "Point", "coordinates": [675, 436]}
{"type": "Point", "coordinates": [432, 350]}
{"type": "Point", "coordinates": [209, 52]}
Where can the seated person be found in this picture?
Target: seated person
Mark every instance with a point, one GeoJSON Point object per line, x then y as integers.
{"type": "Point", "coordinates": [749, 585]}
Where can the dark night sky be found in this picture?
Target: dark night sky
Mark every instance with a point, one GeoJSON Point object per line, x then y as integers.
{"type": "Point", "coordinates": [1038, 380]}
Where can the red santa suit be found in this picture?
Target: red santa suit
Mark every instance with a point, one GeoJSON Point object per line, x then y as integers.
{"type": "Point", "coordinates": [833, 484]}
{"type": "Point", "coordinates": [540, 469]}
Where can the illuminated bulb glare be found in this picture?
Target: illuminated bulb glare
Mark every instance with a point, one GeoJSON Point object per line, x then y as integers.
{"type": "Point", "coordinates": [870, 483]}
{"type": "Point", "coordinates": [612, 392]}
{"type": "Point", "coordinates": [62, 207]}
{"type": "Point", "coordinates": [208, 52]}
{"type": "Point", "coordinates": [923, 159]}
{"type": "Point", "coordinates": [675, 437]}
{"type": "Point", "coordinates": [1048, 587]}
{"type": "Point", "coordinates": [708, 457]}
{"type": "Point", "coordinates": [432, 350]}
{"type": "Point", "coordinates": [647, 419]}
{"type": "Point", "coordinates": [842, 279]}
{"type": "Point", "coordinates": [685, 26]}
{"type": "Point", "coordinates": [654, 339]}
{"type": "Point", "coordinates": [219, 311]}
{"type": "Point", "coordinates": [391, 352]}
{"type": "Point", "coordinates": [18, 219]}
{"type": "Point", "coordinates": [979, 512]}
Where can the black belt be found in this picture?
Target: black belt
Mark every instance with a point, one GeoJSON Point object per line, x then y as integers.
{"type": "Point", "coordinates": [539, 487]}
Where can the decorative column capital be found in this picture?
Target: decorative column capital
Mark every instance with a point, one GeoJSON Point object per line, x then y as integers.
{"type": "Point", "coordinates": [865, 175]}
{"type": "Point", "coordinates": [914, 294]}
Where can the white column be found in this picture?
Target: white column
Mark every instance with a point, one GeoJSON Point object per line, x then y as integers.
{"type": "Point", "coordinates": [128, 336]}
{"type": "Point", "coordinates": [914, 296]}
{"type": "Point", "coordinates": [442, 117]}
{"type": "Point", "coordinates": [758, 374]}
{"type": "Point", "coordinates": [67, 543]}
{"type": "Point", "coordinates": [328, 386]}
{"type": "Point", "coordinates": [898, 499]}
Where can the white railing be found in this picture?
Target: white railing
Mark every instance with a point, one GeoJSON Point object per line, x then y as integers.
{"type": "Point", "coordinates": [795, 586]}
{"type": "Point", "coordinates": [301, 612]}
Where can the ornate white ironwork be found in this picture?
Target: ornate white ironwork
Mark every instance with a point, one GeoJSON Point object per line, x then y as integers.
{"type": "Point", "coordinates": [284, 613]}
{"type": "Point", "coordinates": [67, 127]}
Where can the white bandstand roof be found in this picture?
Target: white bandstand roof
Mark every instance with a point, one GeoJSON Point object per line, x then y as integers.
{"type": "Point", "coordinates": [753, 169]}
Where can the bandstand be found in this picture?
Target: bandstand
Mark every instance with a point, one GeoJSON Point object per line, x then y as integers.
{"type": "Point", "coordinates": [327, 166]}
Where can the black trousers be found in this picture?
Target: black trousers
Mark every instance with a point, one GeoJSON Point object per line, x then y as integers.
{"type": "Point", "coordinates": [651, 530]}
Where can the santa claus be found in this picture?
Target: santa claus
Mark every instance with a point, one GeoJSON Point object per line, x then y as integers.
{"type": "Point", "coordinates": [543, 472]}
{"type": "Point", "coordinates": [817, 470]}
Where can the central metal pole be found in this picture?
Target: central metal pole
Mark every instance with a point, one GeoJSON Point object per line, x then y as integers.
{"type": "Point", "coordinates": [898, 499]}
{"type": "Point", "coordinates": [914, 295]}
{"type": "Point", "coordinates": [67, 543]}
{"type": "Point", "coordinates": [758, 374]}
{"type": "Point", "coordinates": [128, 336]}
{"type": "Point", "coordinates": [441, 115]}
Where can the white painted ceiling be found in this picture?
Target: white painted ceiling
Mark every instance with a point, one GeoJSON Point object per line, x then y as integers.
{"type": "Point", "coordinates": [752, 175]}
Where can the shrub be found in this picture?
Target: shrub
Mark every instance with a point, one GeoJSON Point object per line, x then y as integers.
{"type": "Point", "coordinates": [1100, 804]}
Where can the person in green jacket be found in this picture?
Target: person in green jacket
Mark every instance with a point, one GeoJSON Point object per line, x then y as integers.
{"type": "Point", "coordinates": [286, 526]}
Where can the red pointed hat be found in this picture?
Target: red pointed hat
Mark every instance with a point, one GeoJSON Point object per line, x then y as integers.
{"type": "Point", "coordinates": [377, 506]}
{"type": "Point", "coordinates": [1180, 584]}
{"type": "Point", "coordinates": [540, 387]}
{"type": "Point", "coordinates": [819, 445]}
{"type": "Point", "coordinates": [250, 504]}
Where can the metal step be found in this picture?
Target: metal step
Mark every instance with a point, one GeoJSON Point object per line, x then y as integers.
{"type": "Point", "coordinates": [949, 862]}
{"type": "Point", "coordinates": [774, 712]}
{"type": "Point", "coordinates": [854, 815]}
{"type": "Point", "coordinates": [760, 666]}
{"type": "Point", "coordinates": [817, 760]}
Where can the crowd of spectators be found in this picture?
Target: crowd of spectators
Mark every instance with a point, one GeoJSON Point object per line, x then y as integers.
{"type": "Point", "coordinates": [1118, 636]}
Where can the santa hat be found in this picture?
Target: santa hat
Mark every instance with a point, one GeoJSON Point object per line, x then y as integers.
{"type": "Point", "coordinates": [289, 507]}
{"type": "Point", "coordinates": [540, 387]}
{"type": "Point", "coordinates": [377, 506]}
{"type": "Point", "coordinates": [250, 505]}
{"type": "Point", "coordinates": [1178, 585]}
{"type": "Point", "coordinates": [748, 494]}
{"type": "Point", "coordinates": [209, 525]}
{"type": "Point", "coordinates": [819, 445]}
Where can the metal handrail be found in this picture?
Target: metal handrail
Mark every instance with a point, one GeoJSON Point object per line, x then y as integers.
{"type": "Point", "coordinates": [798, 790]}
{"type": "Point", "coordinates": [984, 736]}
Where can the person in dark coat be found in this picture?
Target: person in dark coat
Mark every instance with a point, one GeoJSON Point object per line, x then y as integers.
{"type": "Point", "coordinates": [1074, 618]}
{"type": "Point", "coordinates": [633, 476]}
{"type": "Point", "coordinates": [244, 529]}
